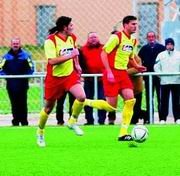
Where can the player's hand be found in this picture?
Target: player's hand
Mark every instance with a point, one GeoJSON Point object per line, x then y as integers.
{"type": "Point", "coordinates": [74, 53]}
{"type": "Point", "coordinates": [141, 68]}
{"type": "Point", "coordinates": [110, 76]}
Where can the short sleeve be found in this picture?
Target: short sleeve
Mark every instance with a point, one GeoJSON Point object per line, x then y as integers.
{"type": "Point", "coordinates": [111, 43]}
{"type": "Point", "coordinates": [50, 49]}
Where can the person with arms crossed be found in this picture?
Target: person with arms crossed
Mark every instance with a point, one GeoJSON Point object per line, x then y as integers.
{"type": "Point", "coordinates": [63, 75]}
{"type": "Point", "coordinates": [117, 53]}
{"type": "Point", "coordinates": [17, 62]}
{"type": "Point", "coordinates": [168, 61]}
{"type": "Point", "coordinates": [148, 54]}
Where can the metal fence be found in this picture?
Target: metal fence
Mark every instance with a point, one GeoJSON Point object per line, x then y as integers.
{"type": "Point", "coordinates": [36, 91]}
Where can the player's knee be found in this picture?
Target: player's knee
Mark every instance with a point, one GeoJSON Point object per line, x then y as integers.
{"type": "Point", "coordinates": [49, 107]}
{"type": "Point", "coordinates": [81, 98]}
{"type": "Point", "coordinates": [131, 101]}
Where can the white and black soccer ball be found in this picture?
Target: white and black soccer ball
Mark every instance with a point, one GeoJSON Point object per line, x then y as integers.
{"type": "Point", "coordinates": [139, 133]}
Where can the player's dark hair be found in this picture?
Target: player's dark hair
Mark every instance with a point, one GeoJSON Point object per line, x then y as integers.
{"type": "Point", "coordinates": [128, 18]}
{"type": "Point", "coordinates": [60, 23]}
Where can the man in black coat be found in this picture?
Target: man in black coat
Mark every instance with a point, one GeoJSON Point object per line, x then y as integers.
{"type": "Point", "coordinates": [148, 54]}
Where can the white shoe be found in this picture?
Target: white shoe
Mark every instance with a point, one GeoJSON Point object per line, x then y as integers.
{"type": "Point", "coordinates": [40, 138]}
{"type": "Point", "coordinates": [162, 122]}
{"type": "Point", "coordinates": [178, 121]}
{"type": "Point", "coordinates": [41, 141]}
{"type": "Point", "coordinates": [76, 129]}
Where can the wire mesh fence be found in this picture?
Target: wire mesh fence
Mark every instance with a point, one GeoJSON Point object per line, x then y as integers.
{"type": "Point", "coordinates": [31, 19]}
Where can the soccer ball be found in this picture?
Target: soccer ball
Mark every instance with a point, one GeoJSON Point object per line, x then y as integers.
{"type": "Point", "coordinates": [139, 133]}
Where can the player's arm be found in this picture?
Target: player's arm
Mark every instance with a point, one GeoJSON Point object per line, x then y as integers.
{"type": "Point", "coordinates": [58, 60]}
{"type": "Point", "coordinates": [51, 54]}
{"type": "Point", "coordinates": [77, 65]}
{"type": "Point", "coordinates": [134, 58]}
{"type": "Point", "coordinates": [137, 66]}
{"type": "Point", "coordinates": [108, 48]}
{"type": "Point", "coordinates": [132, 70]}
{"type": "Point", "coordinates": [104, 58]}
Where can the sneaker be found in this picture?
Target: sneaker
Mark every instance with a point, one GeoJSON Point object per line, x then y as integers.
{"type": "Point", "coordinates": [76, 129]}
{"type": "Point", "coordinates": [72, 124]}
{"type": "Point", "coordinates": [178, 121]}
{"type": "Point", "coordinates": [162, 122]}
{"type": "Point", "coordinates": [126, 137]}
{"type": "Point", "coordinates": [40, 138]}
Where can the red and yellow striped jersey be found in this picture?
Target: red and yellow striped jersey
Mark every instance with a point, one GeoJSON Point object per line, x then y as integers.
{"type": "Point", "coordinates": [120, 49]}
{"type": "Point", "coordinates": [54, 47]}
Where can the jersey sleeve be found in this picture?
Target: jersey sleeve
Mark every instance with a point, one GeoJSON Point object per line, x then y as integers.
{"type": "Point", "coordinates": [111, 43]}
{"type": "Point", "coordinates": [50, 49]}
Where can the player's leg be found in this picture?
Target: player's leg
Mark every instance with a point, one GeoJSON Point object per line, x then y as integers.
{"type": "Point", "coordinates": [99, 104]}
{"type": "Point", "coordinates": [51, 95]}
{"type": "Point", "coordinates": [110, 90]}
{"type": "Point", "coordinates": [42, 122]}
{"type": "Point", "coordinates": [127, 113]}
{"type": "Point", "coordinates": [78, 92]}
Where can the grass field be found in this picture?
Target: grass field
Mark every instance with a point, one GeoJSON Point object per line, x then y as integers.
{"type": "Point", "coordinates": [97, 153]}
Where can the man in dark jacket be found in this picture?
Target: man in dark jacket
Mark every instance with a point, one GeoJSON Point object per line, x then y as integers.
{"type": "Point", "coordinates": [148, 54]}
{"type": "Point", "coordinates": [17, 62]}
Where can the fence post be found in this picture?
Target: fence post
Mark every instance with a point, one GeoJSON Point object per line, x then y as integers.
{"type": "Point", "coordinates": [42, 90]}
{"type": "Point", "coordinates": [151, 99]}
{"type": "Point", "coordinates": [96, 97]}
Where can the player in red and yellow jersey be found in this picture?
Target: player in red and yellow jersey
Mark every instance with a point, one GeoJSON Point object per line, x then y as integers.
{"type": "Point", "coordinates": [63, 74]}
{"type": "Point", "coordinates": [117, 53]}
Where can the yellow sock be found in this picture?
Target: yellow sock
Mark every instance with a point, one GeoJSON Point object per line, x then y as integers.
{"type": "Point", "coordinates": [40, 131]}
{"type": "Point", "coordinates": [126, 116]}
{"type": "Point", "coordinates": [77, 108]}
{"type": "Point", "coordinates": [43, 119]}
{"type": "Point", "coordinates": [99, 104]}
{"type": "Point", "coordinates": [72, 120]}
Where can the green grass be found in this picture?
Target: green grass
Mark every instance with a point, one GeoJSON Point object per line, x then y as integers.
{"type": "Point", "coordinates": [97, 153]}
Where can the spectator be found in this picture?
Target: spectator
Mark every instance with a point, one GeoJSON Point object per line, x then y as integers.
{"type": "Point", "coordinates": [91, 64]}
{"type": "Point", "coordinates": [117, 53]}
{"type": "Point", "coordinates": [148, 54]}
{"type": "Point", "coordinates": [138, 88]}
{"type": "Point", "coordinates": [17, 62]}
{"type": "Point", "coordinates": [168, 61]}
{"type": "Point", "coordinates": [60, 107]}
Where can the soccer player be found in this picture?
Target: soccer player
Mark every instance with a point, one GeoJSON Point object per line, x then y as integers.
{"type": "Point", "coordinates": [117, 53]}
{"type": "Point", "coordinates": [63, 74]}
